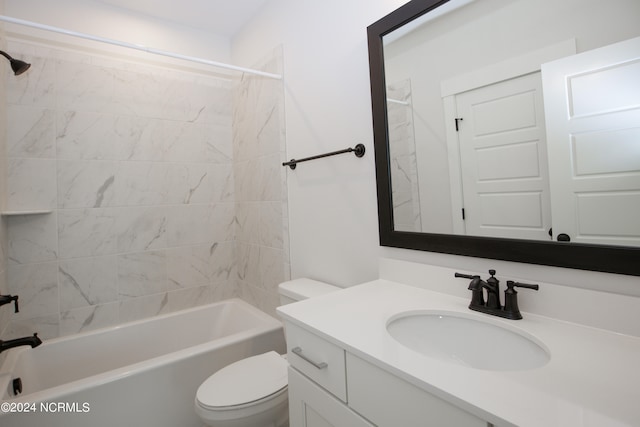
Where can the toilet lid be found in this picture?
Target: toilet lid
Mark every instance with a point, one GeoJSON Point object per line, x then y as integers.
{"type": "Point", "coordinates": [244, 381]}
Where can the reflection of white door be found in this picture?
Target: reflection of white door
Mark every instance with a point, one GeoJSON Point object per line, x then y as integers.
{"type": "Point", "coordinates": [592, 103]}
{"type": "Point", "coordinates": [504, 160]}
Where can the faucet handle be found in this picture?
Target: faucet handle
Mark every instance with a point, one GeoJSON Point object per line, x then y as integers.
{"type": "Point", "coordinates": [511, 284]}
{"type": "Point", "coordinates": [465, 276]}
{"type": "Point", "coordinates": [511, 309]}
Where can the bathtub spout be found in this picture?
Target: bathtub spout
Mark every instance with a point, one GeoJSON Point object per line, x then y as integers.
{"type": "Point", "coordinates": [33, 341]}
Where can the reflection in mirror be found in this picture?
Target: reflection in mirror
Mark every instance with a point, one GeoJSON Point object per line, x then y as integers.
{"type": "Point", "coordinates": [402, 153]}
{"type": "Point", "coordinates": [503, 127]}
{"type": "Point", "coordinates": [467, 131]}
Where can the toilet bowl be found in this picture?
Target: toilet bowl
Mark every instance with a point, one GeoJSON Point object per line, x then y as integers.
{"type": "Point", "coordinates": [252, 392]}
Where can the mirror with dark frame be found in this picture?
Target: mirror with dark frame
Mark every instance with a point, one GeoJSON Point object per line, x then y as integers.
{"type": "Point", "coordinates": [503, 130]}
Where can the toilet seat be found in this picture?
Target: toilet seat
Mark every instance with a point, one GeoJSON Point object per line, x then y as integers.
{"type": "Point", "coordinates": [247, 382]}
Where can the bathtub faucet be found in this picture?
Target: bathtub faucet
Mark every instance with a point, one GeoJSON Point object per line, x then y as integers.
{"type": "Point", "coordinates": [8, 299]}
{"type": "Point", "coordinates": [33, 341]}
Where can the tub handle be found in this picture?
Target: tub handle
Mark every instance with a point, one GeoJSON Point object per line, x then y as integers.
{"type": "Point", "coordinates": [298, 352]}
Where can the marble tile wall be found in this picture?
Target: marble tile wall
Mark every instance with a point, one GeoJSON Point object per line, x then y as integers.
{"type": "Point", "coordinates": [5, 311]}
{"type": "Point", "coordinates": [261, 189]}
{"type": "Point", "coordinates": [135, 163]}
{"type": "Point", "coordinates": [404, 170]}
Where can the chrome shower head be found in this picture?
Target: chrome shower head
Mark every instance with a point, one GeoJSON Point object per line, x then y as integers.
{"type": "Point", "coordinates": [17, 66]}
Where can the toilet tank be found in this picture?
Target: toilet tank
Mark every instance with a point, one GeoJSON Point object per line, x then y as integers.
{"type": "Point", "coordinates": [299, 289]}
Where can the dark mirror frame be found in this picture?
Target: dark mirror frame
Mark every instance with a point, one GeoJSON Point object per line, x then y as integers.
{"type": "Point", "coordinates": [611, 259]}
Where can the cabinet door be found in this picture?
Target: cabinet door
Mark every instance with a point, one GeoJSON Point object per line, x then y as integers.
{"type": "Point", "coordinates": [311, 406]}
{"type": "Point", "coordinates": [389, 401]}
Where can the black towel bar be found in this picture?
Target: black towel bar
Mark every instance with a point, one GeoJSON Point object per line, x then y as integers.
{"type": "Point", "coordinates": [358, 150]}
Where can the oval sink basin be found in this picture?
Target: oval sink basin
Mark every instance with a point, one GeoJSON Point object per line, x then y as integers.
{"type": "Point", "coordinates": [468, 340]}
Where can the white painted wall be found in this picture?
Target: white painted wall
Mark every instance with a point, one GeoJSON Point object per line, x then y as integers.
{"type": "Point", "coordinates": [333, 220]}
{"type": "Point", "coordinates": [102, 20]}
{"type": "Point", "coordinates": [333, 211]}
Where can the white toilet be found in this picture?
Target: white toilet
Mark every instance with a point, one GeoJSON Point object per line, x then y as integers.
{"type": "Point", "coordinates": [252, 392]}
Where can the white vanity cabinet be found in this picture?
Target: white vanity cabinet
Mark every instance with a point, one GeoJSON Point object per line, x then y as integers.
{"type": "Point", "coordinates": [371, 378]}
{"type": "Point", "coordinates": [329, 387]}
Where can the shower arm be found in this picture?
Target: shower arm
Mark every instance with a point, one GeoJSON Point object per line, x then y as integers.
{"type": "Point", "coordinates": [137, 47]}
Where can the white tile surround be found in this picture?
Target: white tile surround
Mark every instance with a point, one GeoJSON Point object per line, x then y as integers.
{"type": "Point", "coordinates": [402, 153]}
{"type": "Point", "coordinates": [163, 195]}
{"type": "Point", "coordinates": [4, 289]}
{"type": "Point", "coordinates": [261, 209]}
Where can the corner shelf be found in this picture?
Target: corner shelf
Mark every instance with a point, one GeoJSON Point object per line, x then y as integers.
{"type": "Point", "coordinates": [29, 212]}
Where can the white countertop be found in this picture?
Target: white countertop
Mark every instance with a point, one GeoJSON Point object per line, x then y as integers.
{"type": "Point", "coordinates": [592, 379]}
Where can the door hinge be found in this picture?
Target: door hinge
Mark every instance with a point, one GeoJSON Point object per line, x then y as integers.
{"type": "Point", "coordinates": [458, 119]}
{"type": "Point", "coordinates": [463, 218]}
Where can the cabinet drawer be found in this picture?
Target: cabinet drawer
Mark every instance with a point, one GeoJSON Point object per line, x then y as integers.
{"type": "Point", "coordinates": [318, 359]}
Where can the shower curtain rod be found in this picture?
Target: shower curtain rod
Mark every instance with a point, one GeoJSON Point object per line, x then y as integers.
{"type": "Point", "coordinates": [137, 47]}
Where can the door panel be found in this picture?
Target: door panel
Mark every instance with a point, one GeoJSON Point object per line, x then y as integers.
{"type": "Point", "coordinates": [599, 222]}
{"type": "Point", "coordinates": [512, 210]}
{"type": "Point", "coordinates": [519, 160]}
{"type": "Point", "coordinates": [598, 91]}
{"type": "Point", "coordinates": [620, 154]}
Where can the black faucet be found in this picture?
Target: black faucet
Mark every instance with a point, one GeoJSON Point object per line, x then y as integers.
{"type": "Point", "coordinates": [33, 341]}
{"type": "Point", "coordinates": [510, 309]}
{"type": "Point", "coordinates": [8, 299]}
{"type": "Point", "coordinates": [492, 285]}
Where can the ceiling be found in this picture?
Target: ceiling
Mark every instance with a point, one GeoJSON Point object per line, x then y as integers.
{"type": "Point", "coordinates": [222, 17]}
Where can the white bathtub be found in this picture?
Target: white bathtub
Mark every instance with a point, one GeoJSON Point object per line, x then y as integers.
{"type": "Point", "coordinates": [141, 374]}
